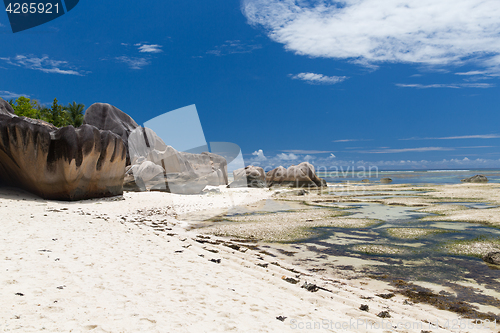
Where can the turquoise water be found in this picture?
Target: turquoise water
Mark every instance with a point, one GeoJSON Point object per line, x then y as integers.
{"type": "Point", "coordinates": [408, 177]}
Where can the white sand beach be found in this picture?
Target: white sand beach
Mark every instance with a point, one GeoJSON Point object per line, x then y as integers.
{"type": "Point", "coordinates": [127, 264]}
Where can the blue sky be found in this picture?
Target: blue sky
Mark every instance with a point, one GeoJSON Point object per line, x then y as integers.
{"type": "Point", "coordinates": [398, 84]}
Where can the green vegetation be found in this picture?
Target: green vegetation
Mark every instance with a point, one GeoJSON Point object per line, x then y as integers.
{"type": "Point", "coordinates": [381, 249]}
{"type": "Point", "coordinates": [413, 233]}
{"type": "Point", "coordinates": [57, 114]}
{"type": "Point", "coordinates": [476, 247]}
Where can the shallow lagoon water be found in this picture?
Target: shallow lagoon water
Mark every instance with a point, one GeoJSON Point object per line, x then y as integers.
{"type": "Point", "coordinates": [400, 246]}
{"type": "Point", "coordinates": [475, 205]}
{"type": "Point", "coordinates": [423, 260]}
{"type": "Point", "coordinates": [380, 211]}
{"type": "Point", "coordinates": [375, 252]}
{"type": "Point", "coordinates": [409, 176]}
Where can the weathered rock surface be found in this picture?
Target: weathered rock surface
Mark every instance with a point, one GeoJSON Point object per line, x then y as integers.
{"type": "Point", "coordinates": [386, 180]}
{"type": "Point", "coordinates": [220, 165]}
{"type": "Point", "coordinates": [60, 163]}
{"type": "Point", "coordinates": [492, 258]}
{"type": "Point", "coordinates": [476, 179]}
{"type": "Point", "coordinates": [5, 108]}
{"type": "Point", "coordinates": [302, 175]}
{"type": "Point", "coordinates": [108, 117]}
{"type": "Point", "coordinates": [276, 176]}
{"type": "Point", "coordinates": [183, 173]}
{"type": "Point", "coordinates": [146, 171]}
{"type": "Point", "coordinates": [250, 176]}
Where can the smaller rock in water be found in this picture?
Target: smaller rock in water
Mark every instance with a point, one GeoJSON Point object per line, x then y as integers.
{"type": "Point", "coordinates": [476, 179]}
{"type": "Point", "coordinates": [386, 180]}
{"type": "Point", "coordinates": [365, 181]}
{"type": "Point", "coordinates": [492, 258]}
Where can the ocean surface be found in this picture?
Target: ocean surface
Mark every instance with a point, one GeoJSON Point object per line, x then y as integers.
{"type": "Point", "coordinates": [409, 177]}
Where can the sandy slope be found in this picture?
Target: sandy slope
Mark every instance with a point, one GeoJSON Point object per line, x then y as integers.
{"type": "Point", "coordinates": [97, 266]}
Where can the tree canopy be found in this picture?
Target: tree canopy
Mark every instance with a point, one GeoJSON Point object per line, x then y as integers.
{"type": "Point", "coordinates": [58, 115]}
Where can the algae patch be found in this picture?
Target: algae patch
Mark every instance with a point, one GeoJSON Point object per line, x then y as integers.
{"type": "Point", "coordinates": [413, 233]}
{"type": "Point", "coordinates": [381, 249]}
{"type": "Point", "coordinates": [284, 227]}
{"type": "Point", "coordinates": [476, 247]}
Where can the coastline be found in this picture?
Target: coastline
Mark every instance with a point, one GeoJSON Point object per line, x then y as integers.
{"type": "Point", "coordinates": [129, 263]}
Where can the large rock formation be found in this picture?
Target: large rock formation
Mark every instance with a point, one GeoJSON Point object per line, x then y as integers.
{"type": "Point", "coordinates": [476, 179]}
{"type": "Point", "coordinates": [60, 163]}
{"type": "Point", "coordinates": [176, 172]}
{"type": "Point", "coordinates": [302, 175]}
{"type": "Point", "coordinates": [386, 180]}
{"type": "Point", "coordinates": [220, 165]}
{"type": "Point", "coordinates": [276, 176]}
{"type": "Point", "coordinates": [108, 117]}
{"type": "Point", "coordinates": [6, 109]}
{"type": "Point", "coordinates": [251, 176]}
{"type": "Point", "coordinates": [181, 172]}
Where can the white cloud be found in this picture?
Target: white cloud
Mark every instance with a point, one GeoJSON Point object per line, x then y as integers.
{"type": "Point", "coordinates": [10, 95]}
{"type": "Point", "coordinates": [406, 150]}
{"type": "Point", "coordinates": [44, 64]}
{"type": "Point", "coordinates": [258, 158]}
{"type": "Point", "coordinates": [234, 46]}
{"type": "Point", "coordinates": [299, 151]}
{"type": "Point", "coordinates": [472, 73]}
{"type": "Point", "coordinates": [328, 162]}
{"type": "Point", "coordinates": [149, 48]}
{"type": "Point", "coordinates": [417, 150]}
{"type": "Point", "coordinates": [481, 136]}
{"type": "Point", "coordinates": [287, 157]}
{"type": "Point", "coordinates": [351, 140]}
{"type": "Point", "coordinates": [133, 62]}
{"type": "Point", "coordinates": [259, 155]}
{"type": "Point", "coordinates": [453, 85]}
{"type": "Point", "coordinates": [313, 78]}
{"type": "Point", "coordinates": [427, 32]}
{"type": "Point", "coordinates": [478, 73]}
